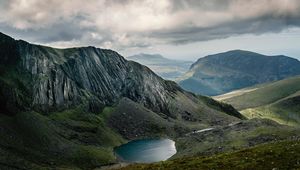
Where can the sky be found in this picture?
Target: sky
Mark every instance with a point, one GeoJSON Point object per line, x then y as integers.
{"type": "Point", "coordinates": [179, 29]}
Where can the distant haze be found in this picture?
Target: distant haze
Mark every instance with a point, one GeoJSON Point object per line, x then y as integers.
{"type": "Point", "coordinates": [177, 29]}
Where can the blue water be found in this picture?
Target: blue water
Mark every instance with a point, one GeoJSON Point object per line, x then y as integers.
{"type": "Point", "coordinates": [146, 150]}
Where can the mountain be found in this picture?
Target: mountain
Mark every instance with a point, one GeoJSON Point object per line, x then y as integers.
{"type": "Point", "coordinates": [279, 101]}
{"type": "Point", "coordinates": [68, 108]}
{"type": "Point", "coordinates": [164, 67]}
{"type": "Point", "coordinates": [220, 73]}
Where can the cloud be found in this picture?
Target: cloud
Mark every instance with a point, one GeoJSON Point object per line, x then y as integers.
{"type": "Point", "coordinates": [123, 24]}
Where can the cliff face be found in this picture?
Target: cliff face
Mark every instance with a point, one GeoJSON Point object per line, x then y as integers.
{"type": "Point", "coordinates": [45, 79]}
{"type": "Point", "coordinates": [65, 77]}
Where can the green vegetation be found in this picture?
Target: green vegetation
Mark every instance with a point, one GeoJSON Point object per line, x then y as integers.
{"type": "Point", "coordinates": [67, 139]}
{"type": "Point", "coordinates": [221, 106]}
{"type": "Point", "coordinates": [233, 137]}
{"type": "Point", "coordinates": [278, 101]}
{"type": "Point", "coordinates": [277, 155]}
{"type": "Point", "coordinates": [54, 110]}
{"type": "Point", "coordinates": [266, 94]}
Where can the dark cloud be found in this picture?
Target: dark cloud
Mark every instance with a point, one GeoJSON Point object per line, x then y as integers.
{"type": "Point", "coordinates": [261, 25]}
{"type": "Point", "coordinates": [133, 23]}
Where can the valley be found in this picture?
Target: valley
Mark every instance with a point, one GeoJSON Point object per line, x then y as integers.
{"type": "Point", "coordinates": [71, 108]}
{"type": "Point", "coordinates": [149, 85]}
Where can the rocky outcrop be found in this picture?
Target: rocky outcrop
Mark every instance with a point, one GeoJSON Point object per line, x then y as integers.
{"type": "Point", "coordinates": [66, 77]}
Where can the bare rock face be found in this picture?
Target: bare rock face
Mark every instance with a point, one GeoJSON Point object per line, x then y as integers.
{"type": "Point", "coordinates": [65, 77]}
{"type": "Point", "coordinates": [56, 79]}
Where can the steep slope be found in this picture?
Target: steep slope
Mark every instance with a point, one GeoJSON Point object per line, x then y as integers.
{"type": "Point", "coordinates": [164, 67]}
{"type": "Point", "coordinates": [57, 79]}
{"type": "Point", "coordinates": [68, 108]}
{"type": "Point", "coordinates": [224, 72]}
{"type": "Point", "coordinates": [278, 101]}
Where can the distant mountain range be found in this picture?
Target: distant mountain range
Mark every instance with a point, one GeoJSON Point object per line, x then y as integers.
{"type": "Point", "coordinates": [220, 73]}
{"type": "Point", "coordinates": [164, 67]}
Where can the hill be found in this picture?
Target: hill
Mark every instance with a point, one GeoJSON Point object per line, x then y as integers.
{"type": "Point", "coordinates": [278, 101]}
{"type": "Point", "coordinates": [224, 72]}
{"type": "Point", "coordinates": [164, 67]}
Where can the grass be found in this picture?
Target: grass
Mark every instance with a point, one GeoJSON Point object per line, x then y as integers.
{"type": "Point", "coordinates": [229, 138]}
{"type": "Point", "coordinates": [90, 156]}
{"type": "Point", "coordinates": [266, 94]}
{"type": "Point", "coordinates": [69, 139]}
{"type": "Point", "coordinates": [278, 101]}
{"type": "Point", "coordinates": [278, 155]}
{"type": "Point", "coordinates": [277, 114]}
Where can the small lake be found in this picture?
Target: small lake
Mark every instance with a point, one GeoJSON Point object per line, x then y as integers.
{"type": "Point", "coordinates": [146, 150]}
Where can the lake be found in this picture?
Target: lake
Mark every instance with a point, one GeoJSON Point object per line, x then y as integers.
{"type": "Point", "coordinates": [146, 150]}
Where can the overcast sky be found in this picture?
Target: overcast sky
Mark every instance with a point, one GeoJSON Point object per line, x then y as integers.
{"type": "Point", "coordinates": [181, 29]}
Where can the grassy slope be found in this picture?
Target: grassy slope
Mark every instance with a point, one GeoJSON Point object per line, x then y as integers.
{"type": "Point", "coordinates": [278, 101]}
{"type": "Point", "coordinates": [277, 155]}
{"type": "Point", "coordinates": [64, 140]}
{"type": "Point", "coordinates": [232, 137]}
{"type": "Point", "coordinates": [266, 94]}
{"type": "Point", "coordinates": [78, 139]}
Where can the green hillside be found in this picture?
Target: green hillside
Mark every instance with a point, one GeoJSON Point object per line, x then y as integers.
{"type": "Point", "coordinates": [278, 101]}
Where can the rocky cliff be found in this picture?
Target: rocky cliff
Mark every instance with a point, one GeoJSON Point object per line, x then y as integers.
{"type": "Point", "coordinates": [56, 79]}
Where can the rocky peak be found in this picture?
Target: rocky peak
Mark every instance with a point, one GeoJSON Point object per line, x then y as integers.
{"type": "Point", "coordinates": [66, 77]}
